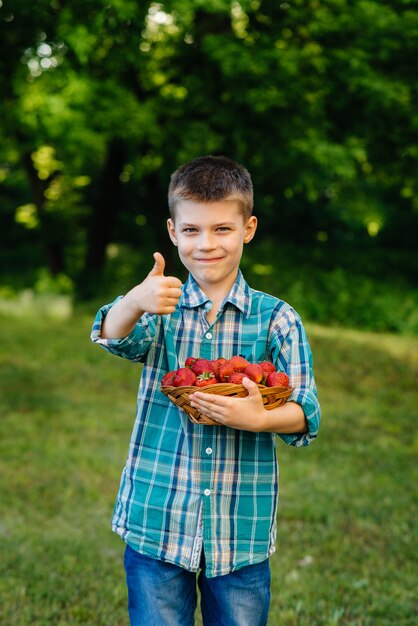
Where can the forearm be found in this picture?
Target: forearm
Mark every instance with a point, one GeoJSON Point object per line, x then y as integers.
{"type": "Point", "coordinates": [288, 418]}
{"type": "Point", "coordinates": [248, 413]}
{"type": "Point", "coordinates": [121, 318]}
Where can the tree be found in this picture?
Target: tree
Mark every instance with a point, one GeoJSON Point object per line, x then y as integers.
{"type": "Point", "coordinates": [103, 100]}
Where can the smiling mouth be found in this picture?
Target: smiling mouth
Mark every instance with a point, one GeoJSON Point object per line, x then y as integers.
{"type": "Point", "coordinates": [213, 260]}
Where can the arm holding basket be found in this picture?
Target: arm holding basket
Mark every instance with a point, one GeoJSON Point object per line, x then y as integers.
{"type": "Point", "coordinates": [249, 413]}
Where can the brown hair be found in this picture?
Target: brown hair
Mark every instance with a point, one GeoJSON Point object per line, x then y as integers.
{"type": "Point", "coordinates": [211, 179]}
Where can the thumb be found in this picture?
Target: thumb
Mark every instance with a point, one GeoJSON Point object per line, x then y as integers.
{"type": "Point", "coordinates": [250, 386]}
{"type": "Point", "coordinates": [159, 265]}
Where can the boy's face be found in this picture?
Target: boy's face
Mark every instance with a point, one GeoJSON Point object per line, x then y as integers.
{"type": "Point", "coordinates": [210, 239]}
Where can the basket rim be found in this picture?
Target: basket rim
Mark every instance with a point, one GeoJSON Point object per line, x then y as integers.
{"type": "Point", "coordinates": [227, 387]}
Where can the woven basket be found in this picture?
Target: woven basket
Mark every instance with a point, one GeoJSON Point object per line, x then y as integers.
{"type": "Point", "coordinates": [272, 397]}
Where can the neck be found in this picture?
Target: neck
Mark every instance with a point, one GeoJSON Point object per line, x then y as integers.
{"type": "Point", "coordinates": [217, 292]}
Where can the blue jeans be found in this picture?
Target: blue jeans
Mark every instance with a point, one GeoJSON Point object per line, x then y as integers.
{"type": "Point", "coordinates": [162, 594]}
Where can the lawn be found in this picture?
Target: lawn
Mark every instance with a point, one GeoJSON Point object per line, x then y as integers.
{"type": "Point", "coordinates": [347, 512]}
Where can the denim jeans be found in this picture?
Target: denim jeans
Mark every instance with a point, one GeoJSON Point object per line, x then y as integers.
{"type": "Point", "coordinates": [162, 594]}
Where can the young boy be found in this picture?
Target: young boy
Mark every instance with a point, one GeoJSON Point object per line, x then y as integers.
{"type": "Point", "coordinates": [195, 497]}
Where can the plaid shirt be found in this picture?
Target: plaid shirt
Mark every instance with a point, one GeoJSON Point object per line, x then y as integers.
{"type": "Point", "coordinates": [188, 486]}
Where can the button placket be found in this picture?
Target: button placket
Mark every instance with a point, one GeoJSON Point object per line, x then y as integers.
{"type": "Point", "coordinates": [207, 449]}
{"type": "Point", "coordinates": [206, 345]}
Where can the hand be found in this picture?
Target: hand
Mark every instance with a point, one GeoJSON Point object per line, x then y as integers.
{"type": "Point", "coordinates": [158, 293]}
{"type": "Point", "coordinates": [242, 413]}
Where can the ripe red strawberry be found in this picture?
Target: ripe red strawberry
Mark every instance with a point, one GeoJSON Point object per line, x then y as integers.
{"type": "Point", "coordinates": [184, 377]}
{"type": "Point", "coordinates": [190, 360]}
{"type": "Point", "coordinates": [254, 372]}
{"type": "Point", "coordinates": [239, 363]}
{"type": "Point", "coordinates": [216, 364]}
{"type": "Point", "coordinates": [167, 379]}
{"type": "Point", "coordinates": [225, 371]}
{"type": "Point", "coordinates": [200, 366]}
{"type": "Point", "coordinates": [277, 379]}
{"type": "Point", "coordinates": [267, 367]}
{"type": "Point", "coordinates": [236, 378]}
{"type": "Point", "coordinates": [206, 379]}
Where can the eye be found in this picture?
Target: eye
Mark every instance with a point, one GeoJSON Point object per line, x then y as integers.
{"type": "Point", "coordinates": [189, 229]}
{"type": "Point", "coordinates": [223, 229]}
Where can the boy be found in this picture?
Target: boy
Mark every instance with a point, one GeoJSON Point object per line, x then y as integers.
{"type": "Point", "coordinates": [193, 496]}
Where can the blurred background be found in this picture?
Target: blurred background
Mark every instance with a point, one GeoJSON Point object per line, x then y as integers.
{"type": "Point", "coordinates": [100, 101]}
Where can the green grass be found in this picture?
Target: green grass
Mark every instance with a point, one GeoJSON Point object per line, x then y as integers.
{"type": "Point", "coordinates": [347, 511]}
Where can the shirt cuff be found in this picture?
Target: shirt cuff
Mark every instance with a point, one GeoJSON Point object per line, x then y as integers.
{"type": "Point", "coordinates": [132, 347]}
{"type": "Point", "coordinates": [309, 402]}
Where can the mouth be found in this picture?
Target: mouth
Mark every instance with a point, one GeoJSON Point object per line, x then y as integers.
{"type": "Point", "coordinates": [209, 261]}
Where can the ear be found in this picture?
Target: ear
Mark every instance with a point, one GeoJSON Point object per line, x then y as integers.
{"type": "Point", "coordinates": [171, 231]}
{"type": "Point", "coordinates": [250, 228]}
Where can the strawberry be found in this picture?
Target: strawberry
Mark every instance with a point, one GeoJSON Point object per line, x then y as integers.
{"type": "Point", "coordinates": [239, 363]}
{"type": "Point", "coordinates": [217, 363]}
{"type": "Point", "coordinates": [190, 360]}
{"type": "Point", "coordinates": [167, 379]}
{"type": "Point", "coordinates": [206, 379]}
{"type": "Point", "coordinates": [254, 372]}
{"type": "Point", "coordinates": [267, 367]}
{"type": "Point", "coordinates": [236, 378]}
{"type": "Point", "coordinates": [277, 379]}
{"type": "Point", "coordinates": [184, 377]}
{"type": "Point", "coordinates": [200, 366]}
{"type": "Point", "coordinates": [225, 371]}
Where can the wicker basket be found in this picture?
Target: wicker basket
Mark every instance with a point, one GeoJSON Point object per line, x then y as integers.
{"type": "Point", "coordinates": [272, 397]}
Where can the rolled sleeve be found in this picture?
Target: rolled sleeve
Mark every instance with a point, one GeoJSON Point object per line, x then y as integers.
{"type": "Point", "coordinates": [134, 346]}
{"type": "Point", "coordinates": [310, 406]}
{"type": "Point", "coordinates": [292, 354]}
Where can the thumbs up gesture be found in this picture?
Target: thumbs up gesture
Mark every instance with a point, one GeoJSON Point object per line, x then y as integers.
{"type": "Point", "coordinates": [157, 293]}
{"type": "Point", "coordinates": [159, 265]}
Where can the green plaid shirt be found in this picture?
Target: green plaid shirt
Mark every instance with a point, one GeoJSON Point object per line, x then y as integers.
{"type": "Point", "coordinates": [185, 486]}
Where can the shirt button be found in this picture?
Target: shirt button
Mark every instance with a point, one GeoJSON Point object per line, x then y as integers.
{"type": "Point", "coordinates": [208, 450]}
{"type": "Point", "coordinates": [208, 335]}
{"type": "Point", "coordinates": [207, 492]}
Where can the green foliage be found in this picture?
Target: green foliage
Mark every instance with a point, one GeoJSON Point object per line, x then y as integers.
{"type": "Point", "coordinates": [346, 518]}
{"type": "Point", "coordinates": [333, 287]}
{"type": "Point", "coordinates": [340, 288]}
{"type": "Point", "coordinates": [315, 98]}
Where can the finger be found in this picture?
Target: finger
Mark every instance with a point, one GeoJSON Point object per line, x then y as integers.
{"type": "Point", "coordinates": [170, 295]}
{"type": "Point", "coordinates": [211, 412]}
{"type": "Point", "coordinates": [170, 298]}
{"type": "Point", "coordinates": [209, 401]}
{"type": "Point", "coordinates": [205, 398]}
{"type": "Point", "coordinates": [250, 386]}
{"type": "Point", "coordinates": [173, 292]}
{"type": "Point", "coordinates": [218, 417]}
{"type": "Point", "coordinates": [166, 310]}
{"type": "Point", "coordinates": [172, 282]}
{"type": "Point", "coordinates": [170, 304]}
{"type": "Point", "coordinates": [159, 265]}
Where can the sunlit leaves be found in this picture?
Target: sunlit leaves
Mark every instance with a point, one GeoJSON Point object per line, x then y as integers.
{"type": "Point", "coordinates": [45, 162]}
{"type": "Point", "coordinates": [316, 98]}
{"type": "Point", "coordinates": [27, 215]}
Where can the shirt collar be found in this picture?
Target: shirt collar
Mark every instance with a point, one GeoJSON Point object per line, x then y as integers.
{"type": "Point", "coordinates": [239, 295]}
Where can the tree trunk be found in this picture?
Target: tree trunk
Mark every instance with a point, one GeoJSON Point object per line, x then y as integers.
{"type": "Point", "coordinates": [105, 206]}
{"type": "Point", "coordinates": [105, 209]}
{"type": "Point", "coordinates": [157, 215]}
{"type": "Point", "coordinates": [51, 235]}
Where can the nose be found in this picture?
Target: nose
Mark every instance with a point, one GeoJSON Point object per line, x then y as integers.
{"type": "Point", "coordinates": [206, 241]}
